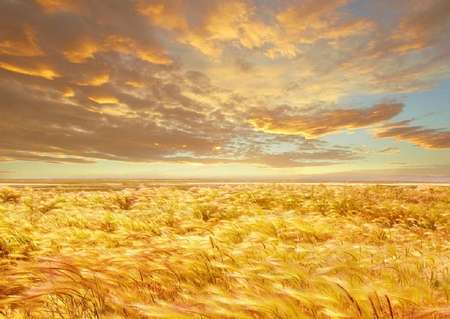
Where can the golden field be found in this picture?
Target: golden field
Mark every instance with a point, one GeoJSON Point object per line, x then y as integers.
{"type": "Point", "coordinates": [225, 251]}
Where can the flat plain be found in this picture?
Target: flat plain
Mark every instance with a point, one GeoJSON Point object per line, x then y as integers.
{"type": "Point", "coordinates": [224, 250]}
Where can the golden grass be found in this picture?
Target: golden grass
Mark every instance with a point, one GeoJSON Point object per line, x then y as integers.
{"type": "Point", "coordinates": [234, 251]}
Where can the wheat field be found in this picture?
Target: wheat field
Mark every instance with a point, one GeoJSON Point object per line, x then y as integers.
{"type": "Point", "coordinates": [225, 251]}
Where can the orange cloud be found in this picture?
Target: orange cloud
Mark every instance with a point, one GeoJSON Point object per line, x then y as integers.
{"type": "Point", "coordinates": [310, 21]}
{"type": "Point", "coordinates": [20, 43]}
{"type": "Point", "coordinates": [237, 21]}
{"type": "Point", "coordinates": [426, 19]}
{"type": "Point", "coordinates": [227, 22]}
{"type": "Point", "coordinates": [312, 14]}
{"type": "Point", "coordinates": [56, 6]}
{"type": "Point", "coordinates": [324, 122]}
{"type": "Point", "coordinates": [104, 99]}
{"type": "Point", "coordinates": [136, 84]}
{"type": "Point", "coordinates": [423, 25]}
{"type": "Point", "coordinates": [219, 23]}
{"type": "Point", "coordinates": [154, 57]}
{"type": "Point", "coordinates": [68, 92]}
{"type": "Point", "coordinates": [417, 135]}
{"type": "Point", "coordinates": [412, 45]}
{"type": "Point", "coordinates": [95, 80]}
{"type": "Point", "coordinates": [86, 47]}
{"type": "Point", "coordinates": [39, 69]}
{"type": "Point", "coordinates": [146, 52]}
{"type": "Point", "coordinates": [167, 15]}
{"type": "Point", "coordinates": [81, 50]}
{"type": "Point", "coordinates": [350, 28]}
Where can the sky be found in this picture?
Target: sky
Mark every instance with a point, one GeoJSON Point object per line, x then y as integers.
{"type": "Point", "coordinates": [305, 89]}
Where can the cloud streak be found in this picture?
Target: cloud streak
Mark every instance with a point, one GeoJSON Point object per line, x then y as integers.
{"type": "Point", "coordinates": [417, 135]}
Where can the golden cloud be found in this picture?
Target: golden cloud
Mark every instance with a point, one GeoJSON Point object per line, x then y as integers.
{"type": "Point", "coordinates": [324, 122]}
{"type": "Point", "coordinates": [224, 26]}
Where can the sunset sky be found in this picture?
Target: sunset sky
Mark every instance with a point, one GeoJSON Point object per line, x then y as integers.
{"type": "Point", "coordinates": [331, 89]}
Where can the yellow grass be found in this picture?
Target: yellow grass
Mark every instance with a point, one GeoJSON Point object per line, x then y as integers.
{"type": "Point", "coordinates": [232, 251]}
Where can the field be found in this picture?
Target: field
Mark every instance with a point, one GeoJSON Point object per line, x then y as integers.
{"type": "Point", "coordinates": [225, 251]}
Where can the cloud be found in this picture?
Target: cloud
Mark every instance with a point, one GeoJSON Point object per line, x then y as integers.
{"type": "Point", "coordinates": [104, 99]}
{"type": "Point", "coordinates": [39, 69]}
{"type": "Point", "coordinates": [324, 121]}
{"type": "Point", "coordinates": [423, 24]}
{"type": "Point", "coordinates": [51, 158]}
{"type": "Point", "coordinates": [349, 28]}
{"type": "Point", "coordinates": [181, 132]}
{"type": "Point", "coordinates": [309, 18]}
{"type": "Point", "coordinates": [390, 150]}
{"type": "Point", "coordinates": [19, 41]}
{"type": "Point", "coordinates": [83, 29]}
{"type": "Point", "coordinates": [147, 134]}
{"type": "Point", "coordinates": [417, 135]}
{"type": "Point", "coordinates": [211, 26]}
{"type": "Point", "coordinates": [328, 44]}
{"type": "Point", "coordinates": [58, 6]}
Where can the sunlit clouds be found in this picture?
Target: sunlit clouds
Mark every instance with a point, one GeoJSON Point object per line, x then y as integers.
{"type": "Point", "coordinates": [33, 70]}
{"type": "Point", "coordinates": [322, 121]}
{"type": "Point", "coordinates": [284, 87]}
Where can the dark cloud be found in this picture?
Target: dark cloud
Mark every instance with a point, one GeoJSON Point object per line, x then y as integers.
{"type": "Point", "coordinates": [38, 125]}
